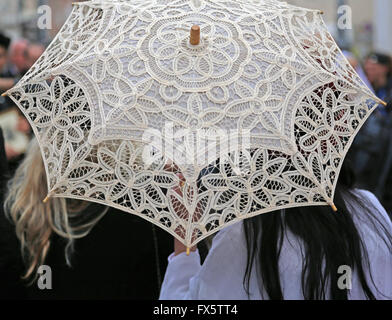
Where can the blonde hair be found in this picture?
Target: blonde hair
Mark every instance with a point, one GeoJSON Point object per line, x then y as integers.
{"type": "Point", "coordinates": [36, 221]}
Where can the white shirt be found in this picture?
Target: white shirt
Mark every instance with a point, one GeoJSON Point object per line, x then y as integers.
{"type": "Point", "coordinates": [221, 275]}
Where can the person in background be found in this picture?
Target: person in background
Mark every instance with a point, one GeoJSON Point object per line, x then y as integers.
{"type": "Point", "coordinates": [26, 54]}
{"type": "Point", "coordinates": [18, 54]}
{"type": "Point", "coordinates": [34, 51]}
{"type": "Point", "coordinates": [293, 254]}
{"type": "Point", "coordinates": [371, 154]}
{"type": "Point", "coordinates": [7, 80]}
{"type": "Point", "coordinates": [378, 69]}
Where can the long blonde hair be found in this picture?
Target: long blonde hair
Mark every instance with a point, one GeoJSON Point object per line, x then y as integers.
{"type": "Point", "coordinates": [36, 221]}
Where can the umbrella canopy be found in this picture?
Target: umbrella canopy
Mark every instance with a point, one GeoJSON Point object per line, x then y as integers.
{"type": "Point", "coordinates": [194, 114]}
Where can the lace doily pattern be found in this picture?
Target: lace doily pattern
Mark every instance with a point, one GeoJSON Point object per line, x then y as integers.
{"type": "Point", "coordinates": [80, 29]}
{"type": "Point", "coordinates": [218, 60]}
{"type": "Point", "coordinates": [264, 71]}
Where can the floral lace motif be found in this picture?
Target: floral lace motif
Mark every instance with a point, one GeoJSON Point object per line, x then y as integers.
{"type": "Point", "coordinates": [118, 69]}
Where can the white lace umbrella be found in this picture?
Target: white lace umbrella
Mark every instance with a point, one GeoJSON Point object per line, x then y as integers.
{"type": "Point", "coordinates": [194, 134]}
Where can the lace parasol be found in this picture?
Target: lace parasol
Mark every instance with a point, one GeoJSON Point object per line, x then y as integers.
{"type": "Point", "coordinates": [255, 113]}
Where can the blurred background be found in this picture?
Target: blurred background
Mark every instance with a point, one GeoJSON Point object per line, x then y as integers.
{"type": "Point", "coordinates": [362, 28]}
{"type": "Point", "coordinates": [371, 21]}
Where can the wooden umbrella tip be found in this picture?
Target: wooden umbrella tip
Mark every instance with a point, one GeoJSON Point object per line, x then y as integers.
{"type": "Point", "coordinates": [46, 199]}
{"type": "Point", "coordinates": [188, 251]}
{"type": "Point", "coordinates": [195, 35]}
{"type": "Point", "coordinates": [334, 208]}
{"type": "Point", "coordinates": [384, 103]}
{"type": "Point", "coordinates": [3, 94]}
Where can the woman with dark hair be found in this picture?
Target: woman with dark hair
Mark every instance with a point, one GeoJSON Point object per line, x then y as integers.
{"type": "Point", "coordinates": [298, 253]}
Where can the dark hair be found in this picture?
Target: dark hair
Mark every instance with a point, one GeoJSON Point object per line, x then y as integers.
{"type": "Point", "coordinates": [4, 41]}
{"type": "Point", "coordinates": [330, 240]}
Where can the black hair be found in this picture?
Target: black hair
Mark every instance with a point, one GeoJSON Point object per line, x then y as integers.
{"type": "Point", "coordinates": [330, 241]}
{"type": "Point", "coordinates": [4, 41]}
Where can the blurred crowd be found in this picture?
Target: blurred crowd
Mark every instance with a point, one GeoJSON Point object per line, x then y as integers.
{"type": "Point", "coordinates": [371, 152]}
{"type": "Point", "coordinates": [16, 58]}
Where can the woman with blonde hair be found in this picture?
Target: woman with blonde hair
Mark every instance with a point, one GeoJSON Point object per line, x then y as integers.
{"type": "Point", "coordinates": [129, 271]}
